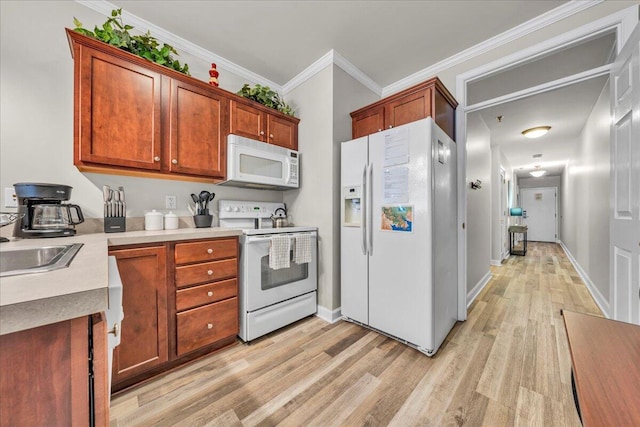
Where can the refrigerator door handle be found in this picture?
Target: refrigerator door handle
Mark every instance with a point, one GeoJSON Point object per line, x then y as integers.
{"type": "Point", "coordinates": [363, 206]}
{"type": "Point", "coordinates": [370, 209]}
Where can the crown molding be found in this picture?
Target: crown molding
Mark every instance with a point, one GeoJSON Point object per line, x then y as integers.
{"type": "Point", "coordinates": [561, 12]}
{"type": "Point", "coordinates": [333, 57]}
{"type": "Point", "coordinates": [105, 8]}
{"type": "Point", "coordinates": [329, 58]}
{"type": "Point", "coordinates": [320, 64]}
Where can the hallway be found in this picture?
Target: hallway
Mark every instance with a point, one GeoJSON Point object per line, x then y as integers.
{"type": "Point", "coordinates": [508, 364]}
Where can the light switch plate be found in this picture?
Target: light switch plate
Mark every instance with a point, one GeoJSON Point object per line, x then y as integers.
{"type": "Point", "coordinates": [10, 198]}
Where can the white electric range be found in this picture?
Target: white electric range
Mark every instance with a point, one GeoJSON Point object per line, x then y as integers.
{"type": "Point", "coordinates": [270, 298]}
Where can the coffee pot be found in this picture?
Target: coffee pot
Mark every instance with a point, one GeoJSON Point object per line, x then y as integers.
{"type": "Point", "coordinates": [43, 213]}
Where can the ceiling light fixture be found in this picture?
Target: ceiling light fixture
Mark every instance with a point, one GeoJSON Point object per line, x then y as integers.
{"type": "Point", "coordinates": [537, 172]}
{"type": "Point", "coordinates": [536, 132]}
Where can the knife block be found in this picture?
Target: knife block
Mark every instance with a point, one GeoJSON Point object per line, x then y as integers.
{"type": "Point", "coordinates": [116, 224]}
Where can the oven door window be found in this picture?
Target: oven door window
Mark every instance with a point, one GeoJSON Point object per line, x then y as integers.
{"type": "Point", "coordinates": [283, 276]}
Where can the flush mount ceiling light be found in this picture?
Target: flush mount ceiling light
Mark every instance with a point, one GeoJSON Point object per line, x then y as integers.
{"type": "Point", "coordinates": [537, 172]}
{"type": "Point", "coordinates": [536, 132]}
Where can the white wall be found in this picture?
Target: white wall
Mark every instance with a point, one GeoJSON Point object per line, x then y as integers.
{"type": "Point", "coordinates": [586, 203]}
{"type": "Point", "coordinates": [324, 102]}
{"type": "Point", "coordinates": [36, 121]}
{"type": "Point", "coordinates": [478, 201]}
{"type": "Point", "coordinates": [312, 203]}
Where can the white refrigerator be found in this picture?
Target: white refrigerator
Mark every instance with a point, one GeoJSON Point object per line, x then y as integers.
{"type": "Point", "coordinates": [399, 235]}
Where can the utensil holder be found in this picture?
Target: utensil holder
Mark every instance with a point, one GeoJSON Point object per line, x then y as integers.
{"type": "Point", "coordinates": [203, 221]}
{"type": "Point", "coordinates": [115, 224]}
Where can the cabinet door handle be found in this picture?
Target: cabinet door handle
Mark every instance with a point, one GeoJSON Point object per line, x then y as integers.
{"type": "Point", "coordinates": [156, 159]}
{"type": "Point", "coordinates": [261, 132]}
{"type": "Point", "coordinates": [390, 126]}
{"type": "Point", "coordinates": [174, 161]}
{"type": "Point", "coordinates": [209, 251]}
{"type": "Point", "coordinates": [209, 272]}
{"type": "Point", "coordinates": [210, 294]}
{"type": "Point", "coordinates": [270, 135]}
{"type": "Point", "coordinates": [115, 331]}
{"type": "Point", "coordinates": [379, 130]}
{"type": "Point", "coordinates": [209, 325]}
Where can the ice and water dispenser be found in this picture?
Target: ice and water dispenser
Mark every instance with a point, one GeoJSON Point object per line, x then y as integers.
{"type": "Point", "coordinates": [351, 197]}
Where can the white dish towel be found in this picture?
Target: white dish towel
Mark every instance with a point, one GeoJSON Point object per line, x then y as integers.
{"type": "Point", "coordinates": [279, 252]}
{"type": "Point", "coordinates": [302, 253]}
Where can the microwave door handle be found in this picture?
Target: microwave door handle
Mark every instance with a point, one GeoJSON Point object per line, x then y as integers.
{"type": "Point", "coordinates": [287, 163]}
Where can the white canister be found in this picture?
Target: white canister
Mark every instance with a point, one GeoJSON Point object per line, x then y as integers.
{"type": "Point", "coordinates": [153, 220]}
{"type": "Point", "coordinates": [171, 221]}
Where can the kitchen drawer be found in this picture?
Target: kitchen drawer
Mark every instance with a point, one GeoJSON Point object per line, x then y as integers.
{"type": "Point", "coordinates": [206, 272]}
{"type": "Point", "coordinates": [206, 251]}
{"type": "Point", "coordinates": [206, 294]}
{"type": "Point", "coordinates": [205, 325]}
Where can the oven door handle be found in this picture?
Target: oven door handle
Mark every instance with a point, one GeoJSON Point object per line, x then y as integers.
{"type": "Point", "coordinates": [259, 239]}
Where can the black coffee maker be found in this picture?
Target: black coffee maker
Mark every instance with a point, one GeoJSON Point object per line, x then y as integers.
{"type": "Point", "coordinates": [43, 213]}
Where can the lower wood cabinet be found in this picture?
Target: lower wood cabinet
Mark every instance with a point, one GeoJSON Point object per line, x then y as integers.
{"type": "Point", "coordinates": [143, 343]}
{"type": "Point", "coordinates": [45, 371]}
{"type": "Point", "coordinates": [179, 301]}
{"type": "Point", "coordinates": [207, 324]}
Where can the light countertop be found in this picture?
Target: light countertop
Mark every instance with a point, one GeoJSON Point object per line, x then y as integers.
{"type": "Point", "coordinates": [32, 300]}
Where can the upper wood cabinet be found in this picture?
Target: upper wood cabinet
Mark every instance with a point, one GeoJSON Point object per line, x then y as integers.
{"type": "Point", "coordinates": [196, 130]}
{"type": "Point", "coordinates": [427, 99]}
{"type": "Point", "coordinates": [263, 124]}
{"type": "Point", "coordinates": [117, 109]}
{"type": "Point", "coordinates": [134, 117]}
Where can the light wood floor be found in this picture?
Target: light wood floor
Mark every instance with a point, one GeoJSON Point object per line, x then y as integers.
{"type": "Point", "coordinates": [508, 364]}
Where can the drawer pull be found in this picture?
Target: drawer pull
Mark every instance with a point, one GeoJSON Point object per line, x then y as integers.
{"type": "Point", "coordinates": [209, 325]}
{"type": "Point", "coordinates": [209, 272]}
{"type": "Point", "coordinates": [210, 293]}
{"type": "Point", "coordinates": [209, 251]}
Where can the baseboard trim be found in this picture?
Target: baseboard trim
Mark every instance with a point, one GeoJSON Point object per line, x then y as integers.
{"type": "Point", "coordinates": [591, 287]}
{"type": "Point", "coordinates": [478, 288]}
{"type": "Point", "coordinates": [496, 262]}
{"type": "Point", "coordinates": [329, 316]}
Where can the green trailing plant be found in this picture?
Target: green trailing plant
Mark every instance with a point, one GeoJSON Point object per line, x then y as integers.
{"type": "Point", "coordinates": [116, 33]}
{"type": "Point", "coordinates": [267, 97]}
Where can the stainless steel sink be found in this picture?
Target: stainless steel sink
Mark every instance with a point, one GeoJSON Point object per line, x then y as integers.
{"type": "Point", "coordinates": [37, 260]}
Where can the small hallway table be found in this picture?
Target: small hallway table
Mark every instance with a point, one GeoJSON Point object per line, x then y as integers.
{"type": "Point", "coordinates": [513, 230]}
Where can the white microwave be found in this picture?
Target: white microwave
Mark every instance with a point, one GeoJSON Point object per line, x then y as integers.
{"type": "Point", "coordinates": [256, 164]}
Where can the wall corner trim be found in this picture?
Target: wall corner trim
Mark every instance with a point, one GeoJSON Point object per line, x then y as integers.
{"type": "Point", "coordinates": [329, 316]}
{"type": "Point", "coordinates": [472, 295]}
{"type": "Point", "coordinates": [591, 287]}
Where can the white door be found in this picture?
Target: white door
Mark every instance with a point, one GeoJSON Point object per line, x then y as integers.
{"type": "Point", "coordinates": [624, 216]}
{"type": "Point", "coordinates": [539, 207]}
{"type": "Point", "coordinates": [504, 223]}
{"type": "Point", "coordinates": [354, 265]}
